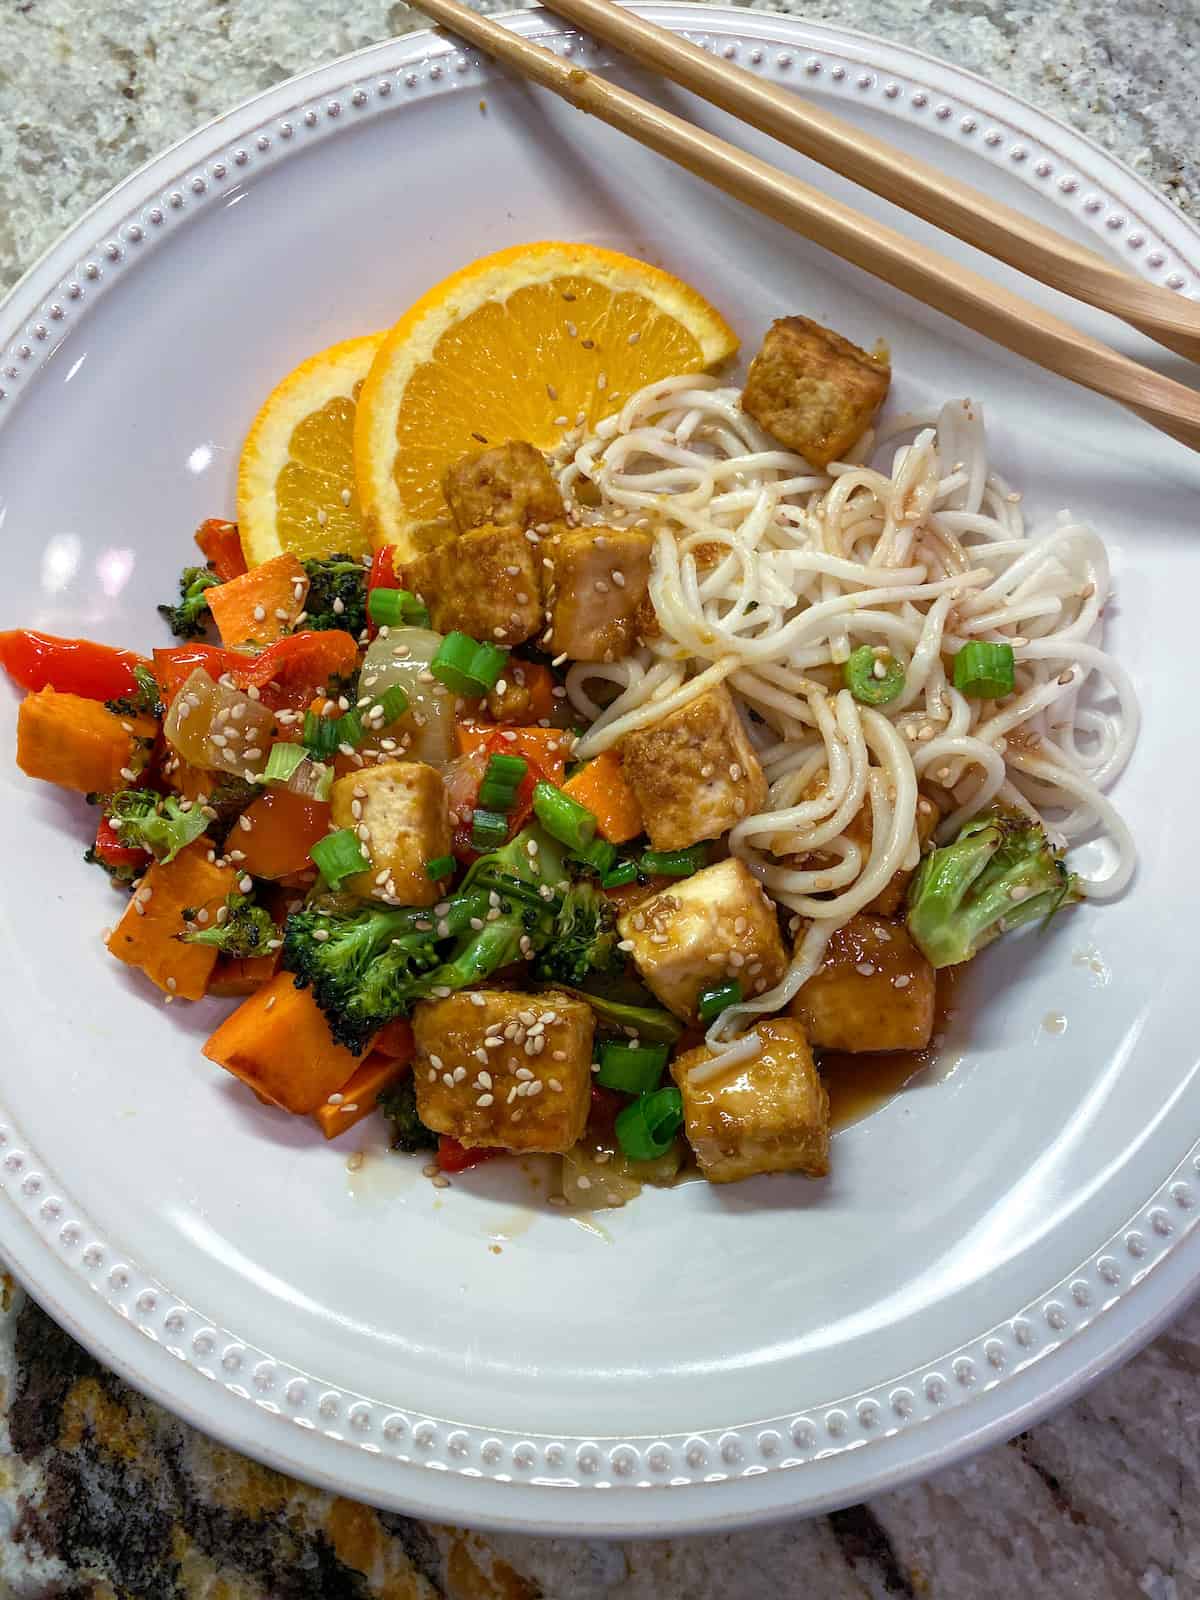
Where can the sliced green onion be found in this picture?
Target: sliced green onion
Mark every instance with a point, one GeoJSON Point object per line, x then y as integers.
{"type": "Point", "coordinates": [339, 855]}
{"type": "Point", "coordinates": [564, 819]}
{"type": "Point", "coordinates": [349, 729]}
{"type": "Point", "coordinates": [599, 855]}
{"type": "Point", "coordinates": [624, 872]}
{"type": "Point", "coordinates": [394, 703]}
{"type": "Point", "coordinates": [489, 829]}
{"type": "Point", "coordinates": [674, 863]}
{"type": "Point", "coordinates": [282, 762]}
{"type": "Point", "coordinates": [466, 666]}
{"type": "Point", "coordinates": [320, 735]}
{"type": "Point", "coordinates": [646, 1128]}
{"type": "Point", "coordinates": [874, 677]}
{"type": "Point", "coordinates": [390, 608]}
{"type": "Point", "coordinates": [324, 783]}
{"type": "Point", "coordinates": [631, 1068]}
{"type": "Point", "coordinates": [717, 998]}
{"type": "Point", "coordinates": [985, 671]}
{"type": "Point", "coordinates": [440, 867]}
{"type": "Point", "coordinates": [504, 776]}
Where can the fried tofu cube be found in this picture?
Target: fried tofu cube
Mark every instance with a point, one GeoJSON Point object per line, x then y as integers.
{"type": "Point", "coordinates": [501, 1069]}
{"type": "Point", "coordinates": [716, 925]}
{"type": "Point", "coordinates": [695, 773]}
{"type": "Point", "coordinates": [874, 991]}
{"type": "Point", "coordinates": [598, 579]}
{"type": "Point", "coordinates": [813, 390]}
{"type": "Point", "coordinates": [507, 486]}
{"type": "Point", "coordinates": [769, 1113]}
{"type": "Point", "coordinates": [486, 583]}
{"type": "Point", "coordinates": [400, 812]}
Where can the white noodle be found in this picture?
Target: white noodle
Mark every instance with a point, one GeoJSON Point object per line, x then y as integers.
{"type": "Point", "coordinates": [767, 575]}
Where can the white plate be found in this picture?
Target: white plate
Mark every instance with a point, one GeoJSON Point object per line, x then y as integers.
{"type": "Point", "coordinates": [987, 1243]}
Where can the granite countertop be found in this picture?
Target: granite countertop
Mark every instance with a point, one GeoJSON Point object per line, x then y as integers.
{"type": "Point", "coordinates": [102, 1493]}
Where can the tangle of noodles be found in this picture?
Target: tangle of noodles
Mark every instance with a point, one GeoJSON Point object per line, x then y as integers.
{"type": "Point", "coordinates": [768, 574]}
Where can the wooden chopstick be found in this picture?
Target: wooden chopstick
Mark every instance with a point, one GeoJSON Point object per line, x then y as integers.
{"type": "Point", "coordinates": [977, 302]}
{"type": "Point", "coordinates": [908, 182]}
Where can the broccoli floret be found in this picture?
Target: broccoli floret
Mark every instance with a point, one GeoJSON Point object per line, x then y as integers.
{"type": "Point", "coordinates": [1000, 873]}
{"type": "Point", "coordinates": [155, 822]}
{"type": "Point", "coordinates": [247, 930]}
{"type": "Point", "coordinates": [336, 580]}
{"type": "Point", "coordinates": [584, 939]}
{"type": "Point", "coordinates": [651, 1024]}
{"type": "Point", "coordinates": [146, 700]}
{"type": "Point", "coordinates": [367, 963]}
{"type": "Point", "coordinates": [189, 619]}
{"type": "Point", "coordinates": [399, 1106]}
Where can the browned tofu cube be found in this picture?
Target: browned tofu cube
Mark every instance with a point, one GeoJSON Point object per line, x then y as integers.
{"type": "Point", "coordinates": [813, 390]}
{"type": "Point", "coordinates": [859, 831]}
{"type": "Point", "coordinates": [766, 1114]}
{"type": "Point", "coordinates": [874, 991]}
{"type": "Point", "coordinates": [486, 583]}
{"type": "Point", "coordinates": [507, 486]}
{"type": "Point", "coordinates": [401, 816]}
{"type": "Point", "coordinates": [717, 924]}
{"type": "Point", "coordinates": [598, 579]}
{"type": "Point", "coordinates": [497, 1068]}
{"type": "Point", "coordinates": [695, 773]}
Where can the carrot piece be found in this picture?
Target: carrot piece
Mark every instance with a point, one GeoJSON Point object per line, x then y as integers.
{"type": "Point", "coordinates": [283, 829]}
{"type": "Point", "coordinates": [359, 1094]}
{"type": "Point", "coordinates": [261, 605]}
{"type": "Point", "coordinates": [395, 1039]}
{"type": "Point", "coordinates": [528, 694]}
{"type": "Point", "coordinates": [242, 975]}
{"type": "Point", "coordinates": [601, 787]}
{"type": "Point", "coordinates": [149, 938]}
{"type": "Point", "coordinates": [279, 1043]}
{"type": "Point", "coordinates": [222, 547]}
{"type": "Point", "coordinates": [547, 746]}
{"type": "Point", "coordinates": [78, 743]}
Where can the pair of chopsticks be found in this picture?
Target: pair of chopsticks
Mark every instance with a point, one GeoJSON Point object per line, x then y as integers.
{"type": "Point", "coordinates": [968, 297]}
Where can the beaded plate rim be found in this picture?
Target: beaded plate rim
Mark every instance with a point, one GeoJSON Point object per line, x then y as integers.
{"type": "Point", "coordinates": [42, 1222]}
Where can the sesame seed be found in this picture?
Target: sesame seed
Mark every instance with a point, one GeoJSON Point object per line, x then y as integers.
{"type": "Point", "coordinates": [246, 884]}
{"type": "Point", "coordinates": [322, 517]}
{"type": "Point", "coordinates": [902, 981]}
{"type": "Point", "coordinates": [583, 1183]}
{"type": "Point", "coordinates": [735, 771]}
{"type": "Point", "coordinates": [558, 1055]}
{"type": "Point", "coordinates": [477, 999]}
{"type": "Point", "coordinates": [448, 1080]}
{"type": "Point", "coordinates": [345, 497]}
{"type": "Point", "coordinates": [260, 613]}
{"type": "Point", "coordinates": [552, 391]}
{"type": "Point", "coordinates": [245, 824]}
{"type": "Point", "coordinates": [440, 1181]}
{"type": "Point", "coordinates": [252, 754]}
{"type": "Point", "coordinates": [486, 1100]}
{"type": "Point", "coordinates": [572, 330]}
{"type": "Point", "coordinates": [866, 969]}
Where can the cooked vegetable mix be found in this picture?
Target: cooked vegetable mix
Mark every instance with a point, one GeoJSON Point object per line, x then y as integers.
{"type": "Point", "coordinates": [584, 820]}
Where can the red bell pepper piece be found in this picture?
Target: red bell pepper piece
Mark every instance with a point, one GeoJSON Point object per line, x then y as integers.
{"type": "Point", "coordinates": [381, 576]}
{"type": "Point", "coordinates": [115, 855]}
{"type": "Point", "coordinates": [221, 545]}
{"type": "Point", "coordinates": [602, 1114]}
{"type": "Point", "coordinates": [463, 779]}
{"type": "Point", "coordinates": [455, 1157]}
{"type": "Point", "coordinates": [287, 674]}
{"type": "Point", "coordinates": [70, 666]}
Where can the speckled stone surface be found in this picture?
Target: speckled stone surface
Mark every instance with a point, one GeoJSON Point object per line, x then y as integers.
{"type": "Point", "coordinates": [101, 1493]}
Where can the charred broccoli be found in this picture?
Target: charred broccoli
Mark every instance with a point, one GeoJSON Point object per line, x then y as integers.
{"type": "Point", "coordinates": [146, 700]}
{"type": "Point", "coordinates": [189, 619]}
{"type": "Point", "coordinates": [245, 929]}
{"type": "Point", "coordinates": [162, 824]}
{"type": "Point", "coordinates": [337, 594]}
{"type": "Point", "coordinates": [1000, 873]}
{"type": "Point", "coordinates": [399, 1105]}
{"type": "Point", "coordinates": [584, 939]}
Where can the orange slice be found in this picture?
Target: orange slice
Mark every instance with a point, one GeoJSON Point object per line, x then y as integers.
{"type": "Point", "coordinates": [296, 489]}
{"type": "Point", "coordinates": [529, 343]}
